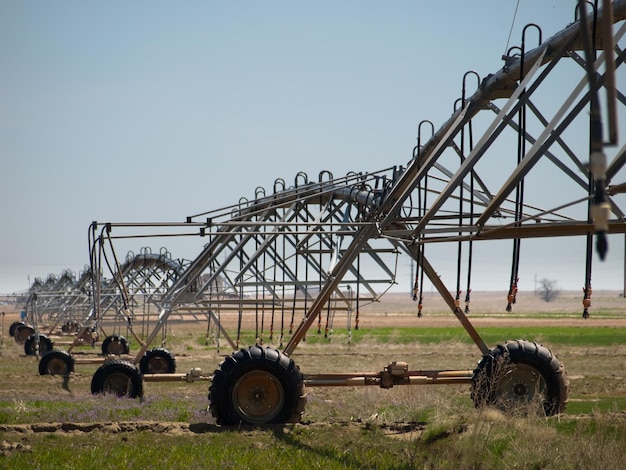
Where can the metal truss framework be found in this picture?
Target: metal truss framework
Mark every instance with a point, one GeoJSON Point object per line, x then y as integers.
{"type": "Point", "coordinates": [66, 301]}
{"type": "Point", "coordinates": [290, 258]}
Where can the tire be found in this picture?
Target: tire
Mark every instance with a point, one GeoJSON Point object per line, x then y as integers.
{"type": "Point", "coordinates": [14, 326]}
{"type": "Point", "coordinates": [117, 377]}
{"type": "Point", "coordinates": [257, 386]}
{"type": "Point", "coordinates": [32, 349]}
{"type": "Point", "coordinates": [521, 376]}
{"type": "Point", "coordinates": [70, 327]}
{"type": "Point", "coordinates": [157, 361]}
{"type": "Point", "coordinates": [115, 345]}
{"type": "Point", "coordinates": [22, 333]}
{"type": "Point", "coordinates": [56, 363]}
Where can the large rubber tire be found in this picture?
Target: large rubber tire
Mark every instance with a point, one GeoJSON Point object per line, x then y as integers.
{"type": "Point", "coordinates": [257, 386]}
{"type": "Point", "coordinates": [14, 326]}
{"type": "Point", "coordinates": [30, 345]}
{"type": "Point", "coordinates": [56, 363]}
{"type": "Point", "coordinates": [157, 361]}
{"type": "Point", "coordinates": [115, 345]}
{"type": "Point", "coordinates": [22, 333]}
{"type": "Point", "coordinates": [521, 376]}
{"type": "Point", "coordinates": [70, 327]}
{"type": "Point", "coordinates": [117, 377]}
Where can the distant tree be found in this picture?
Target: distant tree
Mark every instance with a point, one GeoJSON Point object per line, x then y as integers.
{"type": "Point", "coordinates": [548, 290]}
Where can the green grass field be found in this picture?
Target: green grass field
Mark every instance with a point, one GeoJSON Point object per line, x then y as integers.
{"type": "Point", "coordinates": [552, 335]}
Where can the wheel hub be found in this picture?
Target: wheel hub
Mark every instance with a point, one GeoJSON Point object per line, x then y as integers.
{"type": "Point", "coordinates": [116, 347]}
{"type": "Point", "coordinates": [158, 365]}
{"type": "Point", "coordinates": [258, 396]}
{"type": "Point", "coordinates": [118, 384]}
{"type": "Point", "coordinates": [521, 385]}
{"type": "Point", "coordinates": [520, 389]}
{"type": "Point", "coordinates": [57, 367]}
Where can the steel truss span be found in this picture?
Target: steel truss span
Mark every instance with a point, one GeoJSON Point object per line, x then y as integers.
{"type": "Point", "coordinates": [524, 155]}
{"type": "Point", "coordinates": [124, 303]}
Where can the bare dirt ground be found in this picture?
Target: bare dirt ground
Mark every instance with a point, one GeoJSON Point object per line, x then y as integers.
{"type": "Point", "coordinates": [608, 308]}
{"type": "Point", "coordinates": [489, 309]}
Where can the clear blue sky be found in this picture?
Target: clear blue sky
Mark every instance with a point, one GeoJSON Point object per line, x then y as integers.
{"type": "Point", "coordinates": [155, 110]}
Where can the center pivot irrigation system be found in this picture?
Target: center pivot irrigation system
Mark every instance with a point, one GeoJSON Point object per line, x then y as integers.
{"type": "Point", "coordinates": [524, 156]}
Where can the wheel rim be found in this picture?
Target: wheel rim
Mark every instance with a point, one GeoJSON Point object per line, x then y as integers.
{"type": "Point", "coordinates": [118, 384]}
{"type": "Point", "coordinates": [521, 384]}
{"type": "Point", "coordinates": [258, 397]}
{"type": "Point", "coordinates": [157, 365]}
{"type": "Point", "coordinates": [70, 327]}
{"type": "Point", "coordinates": [115, 347]}
{"type": "Point", "coordinates": [23, 334]}
{"type": "Point", "coordinates": [57, 366]}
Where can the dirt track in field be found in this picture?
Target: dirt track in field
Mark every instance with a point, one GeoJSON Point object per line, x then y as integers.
{"type": "Point", "coordinates": [175, 428]}
{"type": "Point", "coordinates": [111, 427]}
